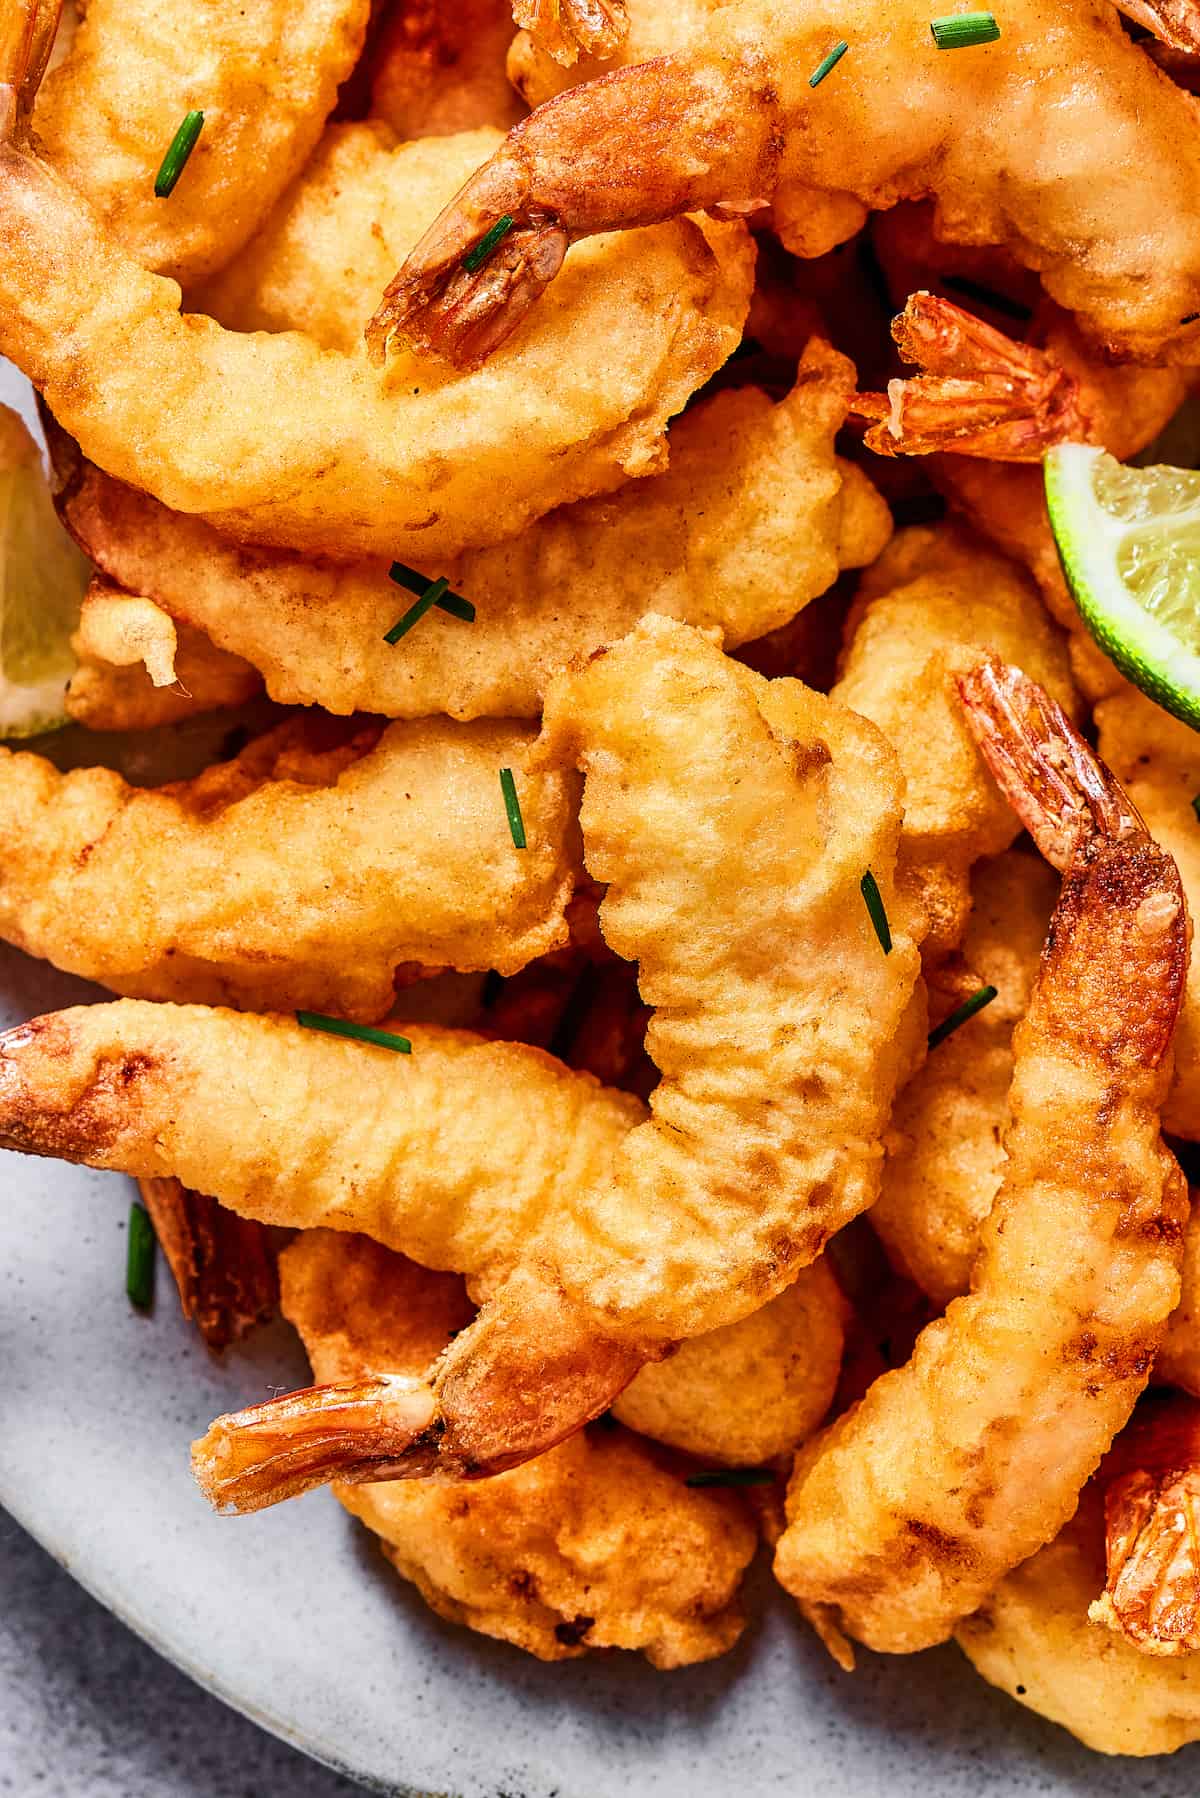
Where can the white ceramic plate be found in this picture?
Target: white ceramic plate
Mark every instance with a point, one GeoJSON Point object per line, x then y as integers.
{"type": "Point", "coordinates": [294, 1618]}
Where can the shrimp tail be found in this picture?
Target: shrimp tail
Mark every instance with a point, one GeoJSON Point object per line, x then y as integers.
{"type": "Point", "coordinates": [566, 28]}
{"type": "Point", "coordinates": [980, 394]}
{"type": "Point", "coordinates": [1151, 1483]}
{"type": "Point", "coordinates": [223, 1265]}
{"type": "Point", "coordinates": [475, 1413]}
{"type": "Point", "coordinates": [1173, 22]}
{"type": "Point", "coordinates": [27, 32]}
{"type": "Point", "coordinates": [1056, 784]}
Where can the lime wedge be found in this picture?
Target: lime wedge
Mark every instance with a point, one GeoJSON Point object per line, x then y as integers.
{"type": "Point", "coordinates": [1129, 539]}
{"type": "Point", "coordinates": [42, 579]}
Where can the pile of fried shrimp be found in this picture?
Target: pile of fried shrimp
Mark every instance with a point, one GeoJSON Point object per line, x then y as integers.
{"type": "Point", "coordinates": [672, 970]}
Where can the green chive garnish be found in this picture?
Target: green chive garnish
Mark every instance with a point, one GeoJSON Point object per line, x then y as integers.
{"type": "Point", "coordinates": [731, 1476]}
{"type": "Point", "coordinates": [139, 1258]}
{"type": "Point", "coordinates": [175, 160]}
{"type": "Point", "coordinates": [959, 31]}
{"type": "Point", "coordinates": [966, 1010]}
{"type": "Point", "coordinates": [478, 256]}
{"type": "Point", "coordinates": [1196, 805]}
{"type": "Point", "coordinates": [416, 612]}
{"type": "Point", "coordinates": [874, 903]}
{"type": "Point", "coordinates": [454, 603]}
{"type": "Point", "coordinates": [828, 62]}
{"type": "Point", "coordinates": [512, 806]}
{"type": "Point", "coordinates": [362, 1033]}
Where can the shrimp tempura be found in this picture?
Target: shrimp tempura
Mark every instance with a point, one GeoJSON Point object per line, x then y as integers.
{"type": "Point", "coordinates": [306, 872]}
{"type": "Point", "coordinates": [956, 1467]}
{"type": "Point", "coordinates": [731, 124]}
{"type": "Point", "coordinates": [597, 1544]}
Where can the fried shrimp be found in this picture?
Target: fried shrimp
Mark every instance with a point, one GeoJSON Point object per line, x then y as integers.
{"type": "Point", "coordinates": [266, 880]}
{"type": "Point", "coordinates": [731, 124]}
{"type": "Point", "coordinates": [139, 668]}
{"type": "Point", "coordinates": [265, 77]}
{"type": "Point", "coordinates": [956, 1467]}
{"type": "Point", "coordinates": [945, 1151]}
{"type": "Point", "coordinates": [733, 820]}
{"type": "Point", "coordinates": [933, 602]}
{"type": "Point", "coordinates": [1031, 1637]}
{"type": "Point", "coordinates": [754, 517]}
{"type": "Point", "coordinates": [1151, 1484]}
{"type": "Point", "coordinates": [417, 465]}
{"type": "Point", "coordinates": [597, 1544]}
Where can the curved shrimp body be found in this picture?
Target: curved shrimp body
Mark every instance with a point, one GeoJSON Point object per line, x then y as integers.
{"type": "Point", "coordinates": [417, 466]}
{"type": "Point", "coordinates": [266, 78]}
{"type": "Point", "coordinates": [732, 123]}
{"type": "Point", "coordinates": [958, 1466]}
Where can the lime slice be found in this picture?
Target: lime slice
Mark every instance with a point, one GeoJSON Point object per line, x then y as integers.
{"type": "Point", "coordinates": [42, 579]}
{"type": "Point", "coordinates": [1129, 539]}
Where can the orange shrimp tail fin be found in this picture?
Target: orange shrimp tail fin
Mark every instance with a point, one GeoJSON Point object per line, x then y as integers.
{"type": "Point", "coordinates": [1054, 781]}
{"type": "Point", "coordinates": [530, 1371]}
{"type": "Point", "coordinates": [27, 32]}
{"type": "Point", "coordinates": [1173, 22]}
{"type": "Point", "coordinates": [980, 394]}
{"type": "Point", "coordinates": [377, 1428]}
{"type": "Point", "coordinates": [223, 1265]}
{"type": "Point", "coordinates": [1152, 1530]}
{"type": "Point", "coordinates": [459, 297]}
{"type": "Point", "coordinates": [565, 29]}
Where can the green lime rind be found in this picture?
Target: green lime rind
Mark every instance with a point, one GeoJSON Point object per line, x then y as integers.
{"type": "Point", "coordinates": [42, 581]}
{"type": "Point", "coordinates": [1089, 539]}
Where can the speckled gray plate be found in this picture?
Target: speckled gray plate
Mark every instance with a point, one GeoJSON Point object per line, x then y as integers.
{"type": "Point", "coordinates": [293, 1617]}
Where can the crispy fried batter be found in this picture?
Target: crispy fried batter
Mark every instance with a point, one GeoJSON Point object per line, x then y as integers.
{"type": "Point", "coordinates": [598, 1544]}
{"type": "Point", "coordinates": [417, 464]}
{"type": "Point", "coordinates": [139, 668]}
{"type": "Point", "coordinates": [731, 123]}
{"type": "Point", "coordinates": [753, 1390]}
{"type": "Point", "coordinates": [954, 1468]}
{"type": "Point", "coordinates": [935, 598]}
{"type": "Point", "coordinates": [1032, 1638]}
{"type": "Point", "coordinates": [753, 518]}
{"type": "Point", "coordinates": [265, 76]}
{"type": "Point", "coordinates": [223, 888]}
{"type": "Point", "coordinates": [945, 1155]}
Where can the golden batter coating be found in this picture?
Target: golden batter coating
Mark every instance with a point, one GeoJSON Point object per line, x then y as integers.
{"type": "Point", "coordinates": [1032, 1638]}
{"type": "Point", "coordinates": [933, 602]}
{"type": "Point", "coordinates": [598, 1544]}
{"type": "Point", "coordinates": [756, 1389]}
{"type": "Point", "coordinates": [754, 517]}
{"type": "Point", "coordinates": [265, 76]}
{"type": "Point", "coordinates": [439, 68]}
{"type": "Point", "coordinates": [268, 882]}
{"type": "Point", "coordinates": [959, 1465]}
{"type": "Point", "coordinates": [945, 1147]}
{"type": "Point", "coordinates": [139, 668]}
{"type": "Point", "coordinates": [416, 463]}
{"type": "Point", "coordinates": [730, 123]}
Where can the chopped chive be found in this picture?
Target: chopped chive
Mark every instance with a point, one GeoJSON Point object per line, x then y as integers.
{"type": "Point", "coordinates": [1196, 805]}
{"type": "Point", "coordinates": [731, 1476]}
{"type": "Point", "coordinates": [873, 899]}
{"type": "Point", "coordinates": [958, 31]}
{"type": "Point", "coordinates": [478, 256]}
{"type": "Point", "coordinates": [362, 1033]}
{"type": "Point", "coordinates": [454, 603]}
{"type": "Point", "coordinates": [828, 62]}
{"type": "Point", "coordinates": [512, 806]}
{"type": "Point", "coordinates": [175, 160]}
{"type": "Point", "coordinates": [139, 1258]}
{"type": "Point", "coordinates": [960, 1014]}
{"type": "Point", "coordinates": [986, 296]}
{"type": "Point", "coordinates": [416, 612]}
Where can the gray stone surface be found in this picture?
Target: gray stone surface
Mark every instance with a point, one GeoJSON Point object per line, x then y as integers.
{"type": "Point", "coordinates": [88, 1711]}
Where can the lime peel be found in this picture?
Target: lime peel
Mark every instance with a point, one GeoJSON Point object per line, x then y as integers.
{"type": "Point", "coordinates": [1104, 517]}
